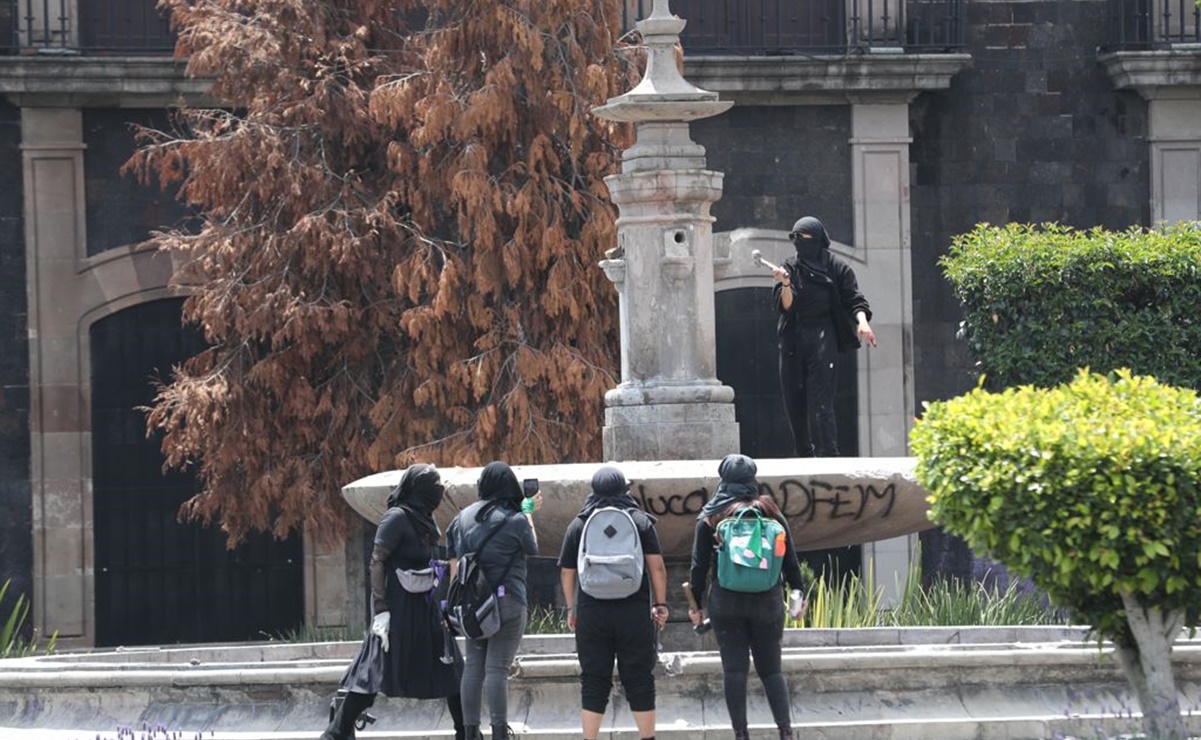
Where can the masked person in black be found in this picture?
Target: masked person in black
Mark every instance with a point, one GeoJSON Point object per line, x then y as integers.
{"type": "Point", "coordinates": [408, 652]}
{"type": "Point", "coordinates": [822, 313]}
{"type": "Point", "coordinates": [747, 625]}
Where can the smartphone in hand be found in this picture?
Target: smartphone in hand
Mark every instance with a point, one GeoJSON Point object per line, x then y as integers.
{"type": "Point", "coordinates": [529, 487]}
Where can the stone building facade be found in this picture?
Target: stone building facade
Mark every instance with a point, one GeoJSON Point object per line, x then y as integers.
{"type": "Point", "coordinates": [898, 132]}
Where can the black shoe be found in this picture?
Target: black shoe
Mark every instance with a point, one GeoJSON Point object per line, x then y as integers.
{"type": "Point", "coordinates": [502, 732]}
{"type": "Point", "coordinates": [344, 711]}
{"type": "Point", "coordinates": [472, 732]}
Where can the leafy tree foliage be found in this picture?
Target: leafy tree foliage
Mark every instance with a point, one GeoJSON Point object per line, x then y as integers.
{"type": "Point", "coordinates": [1092, 490]}
{"type": "Point", "coordinates": [1042, 301]}
{"type": "Point", "coordinates": [403, 207]}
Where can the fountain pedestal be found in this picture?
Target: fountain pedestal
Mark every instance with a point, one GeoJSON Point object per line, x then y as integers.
{"type": "Point", "coordinates": [669, 404]}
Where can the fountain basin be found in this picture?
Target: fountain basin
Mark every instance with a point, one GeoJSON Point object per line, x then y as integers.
{"type": "Point", "coordinates": [829, 502]}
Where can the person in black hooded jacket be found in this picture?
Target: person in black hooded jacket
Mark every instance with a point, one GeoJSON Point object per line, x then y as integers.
{"type": "Point", "coordinates": [747, 625]}
{"type": "Point", "coordinates": [822, 313]}
{"type": "Point", "coordinates": [501, 508]}
{"type": "Point", "coordinates": [409, 651]}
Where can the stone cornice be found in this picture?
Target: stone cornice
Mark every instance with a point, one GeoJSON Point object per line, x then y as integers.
{"type": "Point", "coordinates": [161, 81]}
{"type": "Point", "coordinates": [835, 80]}
{"type": "Point", "coordinates": [1162, 75]}
{"type": "Point", "coordinates": [83, 81]}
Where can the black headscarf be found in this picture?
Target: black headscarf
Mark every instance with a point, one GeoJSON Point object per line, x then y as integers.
{"type": "Point", "coordinates": [499, 487]}
{"type": "Point", "coordinates": [810, 250]}
{"type": "Point", "coordinates": [738, 484]}
{"type": "Point", "coordinates": [419, 492]}
{"type": "Point", "coordinates": [609, 488]}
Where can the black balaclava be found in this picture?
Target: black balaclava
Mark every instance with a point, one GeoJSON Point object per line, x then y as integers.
{"type": "Point", "coordinates": [609, 488]}
{"type": "Point", "coordinates": [738, 484]}
{"type": "Point", "coordinates": [419, 492]}
{"type": "Point", "coordinates": [499, 487]}
{"type": "Point", "coordinates": [809, 249]}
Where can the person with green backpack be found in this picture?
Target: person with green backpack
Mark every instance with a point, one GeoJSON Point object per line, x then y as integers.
{"type": "Point", "coordinates": [748, 537]}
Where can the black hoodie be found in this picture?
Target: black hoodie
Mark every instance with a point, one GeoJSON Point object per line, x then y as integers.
{"type": "Point", "coordinates": [814, 267]}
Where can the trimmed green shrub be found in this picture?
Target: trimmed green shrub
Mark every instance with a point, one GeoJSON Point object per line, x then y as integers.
{"type": "Point", "coordinates": [1088, 488]}
{"type": "Point", "coordinates": [1091, 489]}
{"type": "Point", "coordinates": [1040, 302]}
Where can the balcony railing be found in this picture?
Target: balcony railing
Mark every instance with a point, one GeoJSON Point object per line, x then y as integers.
{"type": "Point", "coordinates": [745, 27]}
{"type": "Point", "coordinates": [89, 26]}
{"type": "Point", "coordinates": [1136, 25]}
{"type": "Point", "coordinates": [787, 27]}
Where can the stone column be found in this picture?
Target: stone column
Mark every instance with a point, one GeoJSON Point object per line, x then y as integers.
{"type": "Point", "coordinates": [669, 404]}
{"type": "Point", "coordinates": [880, 188]}
{"type": "Point", "coordinates": [60, 466]}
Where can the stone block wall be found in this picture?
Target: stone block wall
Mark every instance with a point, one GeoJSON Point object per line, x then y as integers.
{"type": "Point", "coordinates": [16, 541]}
{"type": "Point", "coordinates": [120, 210]}
{"type": "Point", "coordinates": [1032, 132]}
{"type": "Point", "coordinates": [781, 163]}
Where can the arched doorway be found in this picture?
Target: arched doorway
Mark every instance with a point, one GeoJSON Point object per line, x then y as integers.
{"type": "Point", "coordinates": [748, 362]}
{"type": "Point", "coordinates": [157, 580]}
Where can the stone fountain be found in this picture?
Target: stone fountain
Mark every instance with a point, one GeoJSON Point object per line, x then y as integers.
{"type": "Point", "coordinates": [670, 420]}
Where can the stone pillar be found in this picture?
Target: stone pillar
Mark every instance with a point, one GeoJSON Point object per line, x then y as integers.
{"type": "Point", "coordinates": [1175, 138]}
{"type": "Point", "coordinates": [669, 404]}
{"type": "Point", "coordinates": [880, 189]}
{"type": "Point", "coordinates": [60, 444]}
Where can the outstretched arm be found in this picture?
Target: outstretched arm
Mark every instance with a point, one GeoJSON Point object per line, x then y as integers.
{"type": "Point", "coordinates": [657, 571]}
{"type": "Point", "coordinates": [567, 581]}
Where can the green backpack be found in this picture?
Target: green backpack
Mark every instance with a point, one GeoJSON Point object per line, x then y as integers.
{"type": "Point", "coordinates": [750, 551]}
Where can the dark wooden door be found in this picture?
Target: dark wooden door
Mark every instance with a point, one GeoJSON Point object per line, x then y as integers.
{"type": "Point", "coordinates": [160, 581]}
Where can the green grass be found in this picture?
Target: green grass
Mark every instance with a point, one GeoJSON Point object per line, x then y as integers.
{"type": "Point", "coordinates": [854, 601]}
{"type": "Point", "coordinates": [305, 633]}
{"type": "Point", "coordinates": [12, 643]}
{"type": "Point", "coordinates": [546, 620]}
{"type": "Point", "coordinates": [847, 602]}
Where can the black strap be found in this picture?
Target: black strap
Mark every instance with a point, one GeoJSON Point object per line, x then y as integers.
{"type": "Point", "coordinates": [500, 525]}
{"type": "Point", "coordinates": [491, 534]}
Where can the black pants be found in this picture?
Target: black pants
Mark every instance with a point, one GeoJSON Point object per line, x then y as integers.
{"type": "Point", "coordinates": [616, 630]}
{"type": "Point", "coordinates": [750, 626]}
{"type": "Point", "coordinates": [807, 378]}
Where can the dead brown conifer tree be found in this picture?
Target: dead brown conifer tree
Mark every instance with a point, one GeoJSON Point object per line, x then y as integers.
{"type": "Point", "coordinates": [402, 209]}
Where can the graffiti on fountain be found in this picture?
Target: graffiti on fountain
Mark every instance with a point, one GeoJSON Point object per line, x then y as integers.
{"type": "Point", "coordinates": [830, 502]}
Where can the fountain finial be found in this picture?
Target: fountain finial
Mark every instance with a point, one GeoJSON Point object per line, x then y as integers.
{"type": "Point", "coordinates": [663, 94]}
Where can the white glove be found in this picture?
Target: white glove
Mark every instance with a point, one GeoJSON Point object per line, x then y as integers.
{"type": "Point", "coordinates": [379, 627]}
{"type": "Point", "coordinates": [796, 603]}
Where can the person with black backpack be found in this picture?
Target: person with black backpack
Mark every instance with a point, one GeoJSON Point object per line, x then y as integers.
{"type": "Point", "coordinates": [612, 552]}
{"type": "Point", "coordinates": [489, 541]}
{"type": "Point", "coordinates": [749, 537]}
{"type": "Point", "coordinates": [408, 651]}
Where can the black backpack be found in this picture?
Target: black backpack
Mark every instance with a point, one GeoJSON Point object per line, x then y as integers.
{"type": "Point", "coordinates": [472, 604]}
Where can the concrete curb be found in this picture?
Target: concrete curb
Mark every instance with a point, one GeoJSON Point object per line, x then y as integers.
{"type": "Point", "coordinates": [845, 685]}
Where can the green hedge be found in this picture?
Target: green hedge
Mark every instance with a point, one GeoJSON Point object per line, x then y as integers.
{"type": "Point", "coordinates": [1042, 301]}
{"type": "Point", "coordinates": [1087, 488]}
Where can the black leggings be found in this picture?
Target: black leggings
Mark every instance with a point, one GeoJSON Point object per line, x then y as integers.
{"type": "Point", "coordinates": [746, 626]}
{"type": "Point", "coordinates": [807, 379]}
{"type": "Point", "coordinates": [620, 630]}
